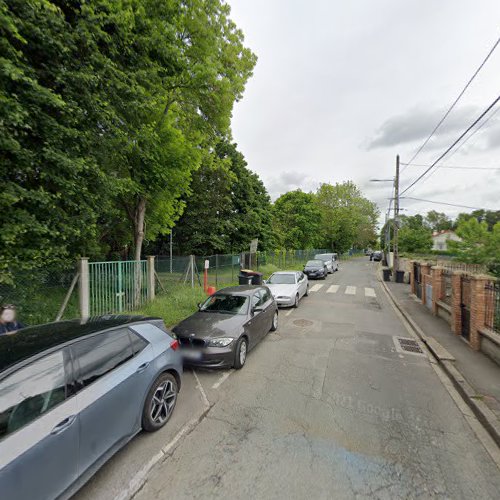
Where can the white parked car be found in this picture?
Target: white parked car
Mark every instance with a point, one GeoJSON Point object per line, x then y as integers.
{"type": "Point", "coordinates": [288, 287]}
{"type": "Point", "coordinates": [330, 260]}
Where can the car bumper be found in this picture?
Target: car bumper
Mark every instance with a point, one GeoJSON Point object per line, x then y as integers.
{"type": "Point", "coordinates": [315, 275]}
{"type": "Point", "coordinates": [209, 357]}
{"type": "Point", "coordinates": [284, 302]}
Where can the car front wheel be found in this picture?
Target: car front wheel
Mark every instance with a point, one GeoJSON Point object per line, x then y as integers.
{"type": "Point", "coordinates": [160, 402]}
{"type": "Point", "coordinates": [307, 291]}
{"type": "Point", "coordinates": [296, 303]}
{"type": "Point", "coordinates": [274, 324]}
{"type": "Point", "coordinates": [240, 355]}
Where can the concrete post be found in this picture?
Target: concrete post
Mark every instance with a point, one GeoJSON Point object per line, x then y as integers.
{"type": "Point", "coordinates": [437, 287]}
{"type": "Point", "coordinates": [150, 268]}
{"type": "Point", "coordinates": [456, 301]}
{"type": "Point", "coordinates": [478, 299]}
{"type": "Point", "coordinates": [84, 288]}
{"type": "Point", "coordinates": [412, 277]}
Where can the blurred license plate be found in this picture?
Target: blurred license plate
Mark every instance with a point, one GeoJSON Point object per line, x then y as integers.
{"type": "Point", "coordinates": [191, 355]}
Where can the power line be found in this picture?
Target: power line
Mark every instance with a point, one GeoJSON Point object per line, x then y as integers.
{"type": "Point", "coordinates": [455, 102]}
{"type": "Point", "coordinates": [469, 128]}
{"type": "Point", "coordinates": [452, 166]}
{"type": "Point", "coordinates": [442, 203]}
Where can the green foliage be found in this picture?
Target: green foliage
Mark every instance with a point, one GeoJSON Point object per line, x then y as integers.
{"type": "Point", "coordinates": [438, 221]}
{"type": "Point", "coordinates": [297, 220]}
{"type": "Point", "coordinates": [478, 245]}
{"type": "Point", "coordinates": [491, 217]}
{"type": "Point", "coordinates": [414, 235]}
{"type": "Point", "coordinates": [347, 218]}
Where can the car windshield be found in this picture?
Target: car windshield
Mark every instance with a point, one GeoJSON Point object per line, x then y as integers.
{"type": "Point", "coordinates": [314, 263]}
{"type": "Point", "coordinates": [282, 279]}
{"type": "Point", "coordinates": [225, 303]}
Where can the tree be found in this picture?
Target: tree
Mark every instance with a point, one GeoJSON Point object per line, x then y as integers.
{"type": "Point", "coordinates": [297, 220]}
{"type": "Point", "coordinates": [414, 235]}
{"type": "Point", "coordinates": [438, 221]}
{"type": "Point", "coordinates": [478, 245]}
{"type": "Point", "coordinates": [347, 218]}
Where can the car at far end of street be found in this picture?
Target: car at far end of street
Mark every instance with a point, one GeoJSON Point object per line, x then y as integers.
{"type": "Point", "coordinates": [316, 269]}
{"type": "Point", "coordinates": [227, 326]}
{"type": "Point", "coordinates": [288, 287]}
{"type": "Point", "coordinates": [377, 256]}
{"type": "Point", "coordinates": [74, 392]}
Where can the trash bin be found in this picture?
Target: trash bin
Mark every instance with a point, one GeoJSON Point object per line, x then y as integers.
{"type": "Point", "coordinates": [244, 278]}
{"type": "Point", "coordinates": [257, 278]}
{"type": "Point", "coordinates": [387, 273]}
{"type": "Point", "coordinates": [400, 276]}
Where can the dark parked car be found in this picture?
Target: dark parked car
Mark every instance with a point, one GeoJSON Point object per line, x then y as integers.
{"type": "Point", "coordinates": [73, 393]}
{"type": "Point", "coordinates": [228, 325]}
{"type": "Point", "coordinates": [316, 269]}
{"type": "Point", "coordinates": [377, 256]}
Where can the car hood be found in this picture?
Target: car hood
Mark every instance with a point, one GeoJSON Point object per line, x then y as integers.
{"type": "Point", "coordinates": [315, 268]}
{"type": "Point", "coordinates": [208, 324]}
{"type": "Point", "coordinates": [288, 290]}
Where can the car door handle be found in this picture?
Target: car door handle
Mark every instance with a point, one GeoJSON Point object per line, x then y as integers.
{"type": "Point", "coordinates": [142, 368]}
{"type": "Point", "coordinates": [63, 425]}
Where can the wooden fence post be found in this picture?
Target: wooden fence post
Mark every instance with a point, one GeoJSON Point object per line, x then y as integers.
{"type": "Point", "coordinates": [84, 288]}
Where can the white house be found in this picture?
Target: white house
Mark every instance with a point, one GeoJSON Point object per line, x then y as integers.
{"type": "Point", "coordinates": [440, 239]}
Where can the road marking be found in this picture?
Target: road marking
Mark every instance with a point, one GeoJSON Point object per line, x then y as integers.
{"type": "Point", "coordinates": [369, 292]}
{"type": "Point", "coordinates": [290, 311]}
{"type": "Point", "coordinates": [203, 394]}
{"type": "Point", "coordinates": [316, 288]}
{"type": "Point", "coordinates": [350, 290]}
{"type": "Point", "coordinates": [222, 379]}
{"type": "Point", "coordinates": [333, 289]}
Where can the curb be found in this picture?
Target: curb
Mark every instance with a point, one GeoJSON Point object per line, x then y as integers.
{"type": "Point", "coordinates": [466, 391]}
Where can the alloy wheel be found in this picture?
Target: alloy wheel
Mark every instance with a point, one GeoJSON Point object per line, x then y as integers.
{"type": "Point", "coordinates": [243, 353]}
{"type": "Point", "coordinates": [163, 402]}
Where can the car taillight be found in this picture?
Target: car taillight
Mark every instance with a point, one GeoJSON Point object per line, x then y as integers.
{"type": "Point", "coordinates": [174, 344]}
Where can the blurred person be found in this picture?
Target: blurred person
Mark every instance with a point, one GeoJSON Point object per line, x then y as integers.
{"type": "Point", "coordinates": [8, 321]}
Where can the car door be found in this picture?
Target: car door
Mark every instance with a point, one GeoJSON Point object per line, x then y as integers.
{"type": "Point", "coordinates": [111, 388]}
{"type": "Point", "coordinates": [302, 284]}
{"type": "Point", "coordinates": [268, 310]}
{"type": "Point", "coordinates": [38, 430]}
{"type": "Point", "coordinates": [256, 322]}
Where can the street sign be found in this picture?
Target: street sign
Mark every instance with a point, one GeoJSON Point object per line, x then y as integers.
{"type": "Point", "coordinates": [207, 264]}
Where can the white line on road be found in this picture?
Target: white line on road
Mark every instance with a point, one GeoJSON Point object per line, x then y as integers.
{"type": "Point", "coordinates": [203, 394]}
{"type": "Point", "coordinates": [290, 311]}
{"type": "Point", "coordinates": [222, 379]}
{"type": "Point", "coordinates": [315, 288]}
{"type": "Point", "coordinates": [333, 289]}
{"type": "Point", "coordinates": [370, 292]}
{"type": "Point", "coordinates": [350, 290]}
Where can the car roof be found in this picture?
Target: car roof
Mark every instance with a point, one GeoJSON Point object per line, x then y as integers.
{"type": "Point", "coordinates": [286, 272]}
{"type": "Point", "coordinates": [34, 340]}
{"type": "Point", "coordinates": [240, 289]}
{"type": "Point", "coordinates": [314, 260]}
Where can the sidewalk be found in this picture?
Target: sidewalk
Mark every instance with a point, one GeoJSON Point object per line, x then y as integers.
{"type": "Point", "coordinates": [481, 373]}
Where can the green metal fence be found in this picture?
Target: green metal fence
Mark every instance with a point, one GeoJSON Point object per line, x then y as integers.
{"type": "Point", "coordinates": [117, 286]}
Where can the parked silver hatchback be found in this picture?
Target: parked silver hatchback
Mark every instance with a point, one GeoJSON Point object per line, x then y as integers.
{"type": "Point", "coordinates": [72, 394]}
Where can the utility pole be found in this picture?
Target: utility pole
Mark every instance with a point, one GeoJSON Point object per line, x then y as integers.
{"type": "Point", "coordinates": [171, 251]}
{"type": "Point", "coordinates": [396, 221]}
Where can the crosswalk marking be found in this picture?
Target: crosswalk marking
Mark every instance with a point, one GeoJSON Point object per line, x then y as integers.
{"type": "Point", "coordinates": [369, 292]}
{"type": "Point", "coordinates": [350, 290]}
{"type": "Point", "coordinates": [333, 289]}
{"type": "Point", "coordinates": [315, 288]}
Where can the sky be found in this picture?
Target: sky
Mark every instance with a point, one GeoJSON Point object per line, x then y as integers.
{"type": "Point", "coordinates": [341, 87]}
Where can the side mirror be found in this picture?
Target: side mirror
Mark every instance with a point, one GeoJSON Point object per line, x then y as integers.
{"type": "Point", "coordinates": [256, 309]}
{"type": "Point", "coordinates": [199, 305]}
{"type": "Point", "coordinates": [265, 282]}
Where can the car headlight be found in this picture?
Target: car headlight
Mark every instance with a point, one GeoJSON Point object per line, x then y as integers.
{"type": "Point", "coordinates": [220, 342]}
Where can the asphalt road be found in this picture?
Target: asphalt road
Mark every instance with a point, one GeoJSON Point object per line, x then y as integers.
{"type": "Point", "coordinates": [329, 406]}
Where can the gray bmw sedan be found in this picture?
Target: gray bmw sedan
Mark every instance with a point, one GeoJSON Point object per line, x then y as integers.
{"type": "Point", "coordinates": [227, 325]}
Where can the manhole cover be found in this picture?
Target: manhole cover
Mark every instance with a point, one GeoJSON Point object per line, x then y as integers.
{"type": "Point", "coordinates": [409, 345]}
{"type": "Point", "coordinates": [302, 323]}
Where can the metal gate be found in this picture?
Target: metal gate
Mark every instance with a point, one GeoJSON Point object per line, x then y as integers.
{"type": "Point", "coordinates": [117, 287]}
{"type": "Point", "coordinates": [417, 273]}
{"type": "Point", "coordinates": [465, 305]}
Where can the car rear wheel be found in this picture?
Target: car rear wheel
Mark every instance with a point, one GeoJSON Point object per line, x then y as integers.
{"type": "Point", "coordinates": [241, 353]}
{"type": "Point", "coordinates": [296, 303]}
{"type": "Point", "coordinates": [274, 324]}
{"type": "Point", "coordinates": [160, 402]}
{"type": "Point", "coordinates": [307, 291]}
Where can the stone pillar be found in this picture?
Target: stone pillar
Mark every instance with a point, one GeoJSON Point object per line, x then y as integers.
{"type": "Point", "coordinates": [456, 300]}
{"type": "Point", "coordinates": [150, 269]}
{"type": "Point", "coordinates": [437, 287]}
{"type": "Point", "coordinates": [84, 288]}
{"type": "Point", "coordinates": [426, 271]}
{"type": "Point", "coordinates": [478, 299]}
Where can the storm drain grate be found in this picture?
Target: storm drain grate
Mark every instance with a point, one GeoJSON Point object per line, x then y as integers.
{"type": "Point", "coordinates": [409, 345]}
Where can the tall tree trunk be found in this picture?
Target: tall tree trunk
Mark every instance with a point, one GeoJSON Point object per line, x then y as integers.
{"type": "Point", "coordinates": [139, 214]}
